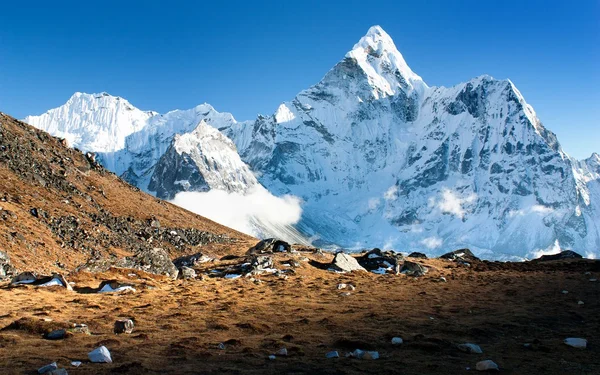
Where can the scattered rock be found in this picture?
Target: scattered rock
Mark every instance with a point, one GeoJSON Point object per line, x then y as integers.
{"type": "Point", "coordinates": [124, 326]}
{"type": "Point", "coordinates": [413, 269]}
{"type": "Point", "coordinates": [566, 254]}
{"type": "Point", "coordinates": [470, 348]}
{"type": "Point", "coordinates": [154, 261]}
{"type": "Point", "coordinates": [378, 261]}
{"type": "Point", "coordinates": [416, 254]}
{"type": "Point", "coordinates": [192, 260]}
{"type": "Point", "coordinates": [187, 273]}
{"type": "Point", "coordinates": [270, 245]}
{"type": "Point", "coordinates": [578, 343]}
{"type": "Point", "coordinates": [464, 255]}
{"type": "Point", "coordinates": [221, 346]}
{"type": "Point", "coordinates": [113, 286]}
{"type": "Point", "coordinates": [486, 365]}
{"type": "Point", "coordinates": [6, 268]}
{"type": "Point", "coordinates": [565, 292]}
{"type": "Point", "coordinates": [341, 286]}
{"type": "Point", "coordinates": [332, 354]}
{"type": "Point", "coordinates": [57, 334]}
{"type": "Point", "coordinates": [100, 355]}
{"type": "Point", "coordinates": [60, 371]}
{"type": "Point", "coordinates": [46, 369]}
{"type": "Point", "coordinates": [42, 281]}
{"type": "Point", "coordinates": [397, 341]}
{"type": "Point", "coordinates": [282, 352]}
{"type": "Point", "coordinates": [261, 263]}
{"type": "Point", "coordinates": [361, 354]}
{"type": "Point", "coordinates": [272, 357]}
{"type": "Point", "coordinates": [76, 363]}
{"type": "Point", "coordinates": [580, 303]}
{"type": "Point", "coordinates": [345, 263]}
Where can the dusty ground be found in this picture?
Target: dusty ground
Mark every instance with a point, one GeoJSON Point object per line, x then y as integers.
{"type": "Point", "coordinates": [180, 323]}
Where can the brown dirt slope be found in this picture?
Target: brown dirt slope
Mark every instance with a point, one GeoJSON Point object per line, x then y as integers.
{"type": "Point", "coordinates": [81, 209]}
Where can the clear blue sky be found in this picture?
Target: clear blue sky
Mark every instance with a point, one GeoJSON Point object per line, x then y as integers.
{"type": "Point", "coordinates": [246, 57]}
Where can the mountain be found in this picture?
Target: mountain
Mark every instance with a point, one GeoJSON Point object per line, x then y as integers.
{"type": "Point", "coordinates": [60, 209]}
{"type": "Point", "coordinates": [380, 158]}
{"type": "Point", "coordinates": [201, 160]}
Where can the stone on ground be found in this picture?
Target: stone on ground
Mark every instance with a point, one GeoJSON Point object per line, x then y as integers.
{"type": "Point", "coordinates": [100, 355]}
{"type": "Point", "coordinates": [345, 263]}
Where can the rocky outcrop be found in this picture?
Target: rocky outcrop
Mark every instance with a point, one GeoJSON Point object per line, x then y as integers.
{"type": "Point", "coordinates": [345, 263]}
{"type": "Point", "coordinates": [566, 254]}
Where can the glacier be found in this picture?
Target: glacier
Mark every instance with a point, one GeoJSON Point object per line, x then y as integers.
{"type": "Point", "coordinates": [378, 158]}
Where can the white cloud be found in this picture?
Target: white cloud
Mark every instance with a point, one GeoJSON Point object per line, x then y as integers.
{"type": "Point", "coordinates": [432, 242]}
{"type": "Point", "coordinates": [258, 213]}
{"type": "Point", "coordinates": [552, 249]}
{"type": "Point", "coordinates": [373, 203]}
{"type": "Point", "coordinates": [535, 209]}
{"type": "Point", "coordinates": [391, 193]}
{"type": "Point", "coordinates": [453, 204]}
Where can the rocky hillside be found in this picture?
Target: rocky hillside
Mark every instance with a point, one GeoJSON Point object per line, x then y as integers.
{"type": "Point", "coordinates": [59, 208]}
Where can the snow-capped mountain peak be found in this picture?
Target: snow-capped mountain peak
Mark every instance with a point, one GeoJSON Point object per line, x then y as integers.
{"type": "Point", "coordinates": [384, 65]}
{"type": "Point", "coordinates": [93, 122]}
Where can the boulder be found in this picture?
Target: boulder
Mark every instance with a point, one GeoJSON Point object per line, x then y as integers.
{"type": "Point", "coordinates": [260, 263]}
{"type": "Point", "coordinates": [113, 286]}
{"type": "Point", "coordinates": [154, 261]}
{"type": "Point", "coordinates": [345, 263]}
{"type": "Point", "coordinates": [270, 245]}
{"type": "Point", "coordinates": [486, 365]}
{"type": "Point", "coordinates": [397, 341]}
{"type": "Point", "coordinates": [567, 254]}
{"type": "Point", "coordinates": [123, 326]}
{"type": "Point", "coordinates": [100, 355]}
{"type": "Point", "coordinates": [57, 334]}
{"type": "Point", "coordinates": [332, 354]}
{"type": "Point", "coordinates": [376, 260]}
{"type": "Point", "coordinates": [416, 254]}
{"type": "Point", "coordinates": [187, 273]}
{"type": "Point", "coordinates": [6, 269]}
{"type": "Point", "coordinates": [576, 342]}
{"type": "Point", "coordinates": [413, 269]}
{"type": "Point", "coordinates": [46, 369]}
{"type": "Point", "coordinates": [462, 254]}
{"type": "Point", "coordinates": [191, 260]}
{"type": "Point", "coordinates": [470, 348]}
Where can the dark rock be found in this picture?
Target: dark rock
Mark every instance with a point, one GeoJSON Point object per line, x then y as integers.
{"type": "Point", "coordinates": [270, 245]}
{"type": "Point", "coordinates": [191, 260]}
{"type": "Point", "coordinates": [57, 334]}
{"type": "Point", "coordinates": [124, 326]}
{"type": "Point", "coordinates": [345, 263]}
{"type": "Point", "coordinates": [376, 259]}
{"type": "Point", "coordinates": [462, 254]}
{"type": "Point", "coordinates": [566, 254]}
{"type": "Point", "coordinates": [34, 212]}
{"type": "Point", "coordinates": [46, 369]}
{"type": "Point", "coordinates": [59, 371]}
{"type": "Point", "coordinates": [417, 255]}
{"type": "Point", "coordinates": [413, 269]}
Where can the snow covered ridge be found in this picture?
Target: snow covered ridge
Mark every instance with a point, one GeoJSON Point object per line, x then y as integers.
{"type": "Point", "coordinates": [377, 157]}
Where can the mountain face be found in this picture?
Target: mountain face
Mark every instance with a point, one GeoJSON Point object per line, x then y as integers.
{"type": "Point", "coordinates": [379, 158]}
{"type": "Point", "coordinates": [201, 160]}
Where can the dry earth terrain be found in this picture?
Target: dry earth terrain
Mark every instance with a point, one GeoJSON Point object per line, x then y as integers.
{"type": "Point", "coordinates": [518, 313]}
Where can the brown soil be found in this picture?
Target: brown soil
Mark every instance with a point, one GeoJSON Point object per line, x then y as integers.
{"type": "Point", "coordinates": [179, 324]}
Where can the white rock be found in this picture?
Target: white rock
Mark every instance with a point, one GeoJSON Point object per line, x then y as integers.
{"type": "Point", "coordinates": [593, 280]}
{"type": "Point", "coordinates": [470, 348]}
{"type": "Point", "coordinates": [443, 279]}
{"type": "Point", "coordinates": [282, 352]}
{"type": "Point", "coordinates": [580, 302]}
{"type": "Point", "coordinates": [565, 292]}
{"type": "Point", "coordinates": [100, 355]}
{"type": "Point", "coordinates": [397, 341]}
{"type": "Point", "coordinates": [232, 276]}
{"type": "Point", "coordinates": [351, 287]}
{"type": "Point", "coordinates": [342, 286]}
{"type": "Point", "coordinates": [576, 342]}
{"type": "Point", "coordinates": [272, 357]}
{"type": "Point", "coordinates": [76, 363]}
{"type": "Point", "coordinates": [486, 365]}
{"type": "Point", "coordinates": [371, 355]}
{"type": "Point", "coordinates": [333, 354]}
{"type": "Point", "coordinates": [221, 346]}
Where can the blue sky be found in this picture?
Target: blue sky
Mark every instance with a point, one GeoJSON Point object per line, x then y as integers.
{"type": "Point", "coordinates": [246, 57]}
